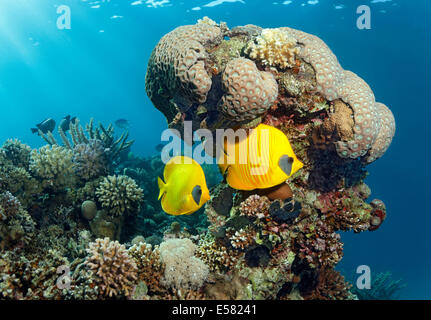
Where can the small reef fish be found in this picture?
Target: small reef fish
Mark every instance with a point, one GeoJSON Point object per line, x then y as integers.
{"type": "Point", "coordinates": [269, 160]}
{"type": "Point", "coordinates": [65, 123]}
{"type": "Point", "coordinates": [122, 123]}
{"type": "Point", "coordinates": [45, 126]}
{"type": "Point", "coordinates": [184, 189]}
{"type": "Point", "coordinates": [159, 147]}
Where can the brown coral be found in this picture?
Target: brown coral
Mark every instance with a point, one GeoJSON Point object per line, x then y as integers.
{"type": "Point", "coordinates": [150, 267]}
{"type": "Point", "coordinates": [114, 271]}
{"type": "Point", "coordinates": [340, 121]}
{"type": "Point", "coordinates": [331, 286]}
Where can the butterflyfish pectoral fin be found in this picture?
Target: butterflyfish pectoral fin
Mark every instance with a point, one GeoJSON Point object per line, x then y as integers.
{"type": "Point", "coordinates": [286, 164]}
{"type": "Point", "coordinates": [197, 194]}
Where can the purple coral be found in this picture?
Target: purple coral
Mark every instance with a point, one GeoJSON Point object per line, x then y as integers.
{"type": "Point", "coordinates": [90, 159]}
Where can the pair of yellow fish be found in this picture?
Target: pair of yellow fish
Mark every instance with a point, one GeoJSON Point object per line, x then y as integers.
{"type": "Point", "coordinates": [269, 161]}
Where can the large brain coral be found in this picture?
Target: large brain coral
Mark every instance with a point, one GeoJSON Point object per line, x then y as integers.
{"type": "Point", "coordinates": [220, 78]}
{"type": "Point", "coordinates": [249, 92]}
{"type": "Point", "coordinates": [176, 76]}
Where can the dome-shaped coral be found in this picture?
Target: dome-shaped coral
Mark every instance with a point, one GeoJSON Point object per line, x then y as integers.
{"type": "Point", "coordinates": [249, 92]}
{"type": "Point", "coordinates": [119, 194]}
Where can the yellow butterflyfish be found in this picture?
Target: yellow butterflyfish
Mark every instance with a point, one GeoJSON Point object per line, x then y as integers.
{"type": "Point", "coordinates": [262, 159]}
{"type": "Point", "coordinates": [183, 189]}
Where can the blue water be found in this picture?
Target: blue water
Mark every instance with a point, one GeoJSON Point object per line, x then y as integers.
{"type": "Point", "coordinates": [97, 69]}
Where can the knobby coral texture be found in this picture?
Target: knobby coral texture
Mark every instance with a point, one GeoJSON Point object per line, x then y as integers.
{"type": "Point", "coordinates": [88, 205]}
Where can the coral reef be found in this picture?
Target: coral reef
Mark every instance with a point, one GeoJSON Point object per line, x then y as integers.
{"type": "Point", "coordinates": [194, 75]}
{"type": "Point", "coordinates": [74, 223]}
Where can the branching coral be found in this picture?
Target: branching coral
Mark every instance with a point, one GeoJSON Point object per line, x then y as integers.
{"type": "Point", "coordinates": [319, 245]}
{"type": "Point", "coordinates": [119, 194]}
{"type": "Point", "coordinates": [17, 152]}
{"type": "Point", "coordinates": [383, 287]}
{"type": "Point", "coordinates": [255, 206]}
{"type": "Point", "coordinates": [90, 160]}
{"type": "Point", "coordinates": [115, 273]}
{"type": "Point", "coordinates": [53, 164]}
{"type": "Point", "coordinates": [150, 266]}
{"type": "Point", "coordinates": [331, 286]}
{"type": "Point", "coordinates": [16, 226]}
{"type": "Point", "coordinates": [182, 269]}
{"type": "Point", "coordinates": [113, 146]}
{"type": "Point", "coordinates": [274, 47]}
{"type": "Point", "coordinates": [215, 255]}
